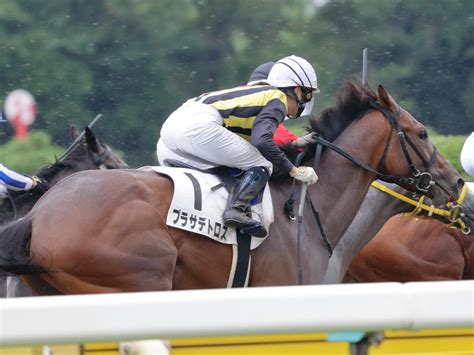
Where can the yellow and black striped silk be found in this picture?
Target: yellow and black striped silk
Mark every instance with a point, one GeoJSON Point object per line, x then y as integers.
{"type": "Point", "coordinates": [240, 106]}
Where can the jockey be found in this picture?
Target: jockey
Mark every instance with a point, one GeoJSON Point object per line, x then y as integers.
{"type": "Point", "coordinates": [467, 155]}
{"type": "Point", "coordinates": [17, 182]}
{"type": "Point", "coordinates": [235, 128]}
{"type": "Point", "coordinates": [282, 135]}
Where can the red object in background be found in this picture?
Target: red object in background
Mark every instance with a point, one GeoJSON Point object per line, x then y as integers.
{"type": "Point", "coordinates": [283, 136]}
{"type": "Point", "coordinates": [21, 128]}
{"type": "Point", "coordinates": [20, 110]}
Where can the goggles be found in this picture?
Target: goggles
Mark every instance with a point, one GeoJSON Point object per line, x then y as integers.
{"type": "Point", "coordinates": [307, 93]}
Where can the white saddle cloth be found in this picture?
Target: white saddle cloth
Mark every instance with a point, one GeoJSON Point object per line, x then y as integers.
{"type": "Point", "coordinates": [197, 208]}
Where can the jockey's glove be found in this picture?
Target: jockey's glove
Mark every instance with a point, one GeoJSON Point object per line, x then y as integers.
{"type": "Point", "coordinates": [40, 186]}
{"type": "Point", "coordinates": [305, 174]}
{"type": "Point", "coordinates": [302, 142]}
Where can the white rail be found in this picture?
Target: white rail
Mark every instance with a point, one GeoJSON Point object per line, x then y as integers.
{"type": "Point", "coordinates": [180, 314]}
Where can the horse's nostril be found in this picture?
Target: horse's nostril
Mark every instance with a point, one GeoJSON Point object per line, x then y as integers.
{"type": "Point", "coordinates": [460, 184]}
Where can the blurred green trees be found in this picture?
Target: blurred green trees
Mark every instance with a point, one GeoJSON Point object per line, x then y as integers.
{"type": "Point", "coordinates": [136, 61]}
{"type": "Point", "coordinates": [28, 155]}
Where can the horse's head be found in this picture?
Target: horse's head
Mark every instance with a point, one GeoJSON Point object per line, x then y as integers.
{"type": "Point", "coordinates": [86, 153]}
{"type": "Point", "coordinates": [403, 153]}
{"type": "Point", "coordinates": [100, 154]}
{"type": "Point", "coordinates": [410, 156]}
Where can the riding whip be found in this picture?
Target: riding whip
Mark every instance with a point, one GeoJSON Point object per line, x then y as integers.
{"type": "Point", "coordinates": [304, 189]}
{"type": "Point", "coordinates": [364, 66]}
{"type": "Point", "coordinates": [291, 200]}
{"type": "Point", "coordinates": [73, 144]}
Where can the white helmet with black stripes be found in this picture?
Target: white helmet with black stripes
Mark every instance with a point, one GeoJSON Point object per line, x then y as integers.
{"type": "Point", "coordinates": [293, 71]}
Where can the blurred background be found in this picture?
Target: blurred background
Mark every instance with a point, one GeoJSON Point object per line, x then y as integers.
{"type": "Point", "coordinates": [135, 61]}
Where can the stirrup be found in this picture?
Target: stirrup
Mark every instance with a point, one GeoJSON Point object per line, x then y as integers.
{"type": "Point", "coordinates": [256, 230]}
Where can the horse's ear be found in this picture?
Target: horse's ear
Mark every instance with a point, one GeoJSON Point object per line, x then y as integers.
{"type": "Point", "coordinates": [73, 132]}
{"type": "Point", "coordinates": [91, 140]}
{"type": "Point", "coordinates": [386, 100]}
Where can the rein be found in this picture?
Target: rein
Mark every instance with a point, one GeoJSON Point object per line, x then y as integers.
{"type": "Point", "coordinates": [454, 214]}
{"type": "Point", "coordinates": [100, 159]}
{"type": "Point", "coordinates": [13, 204]}
{"type": "Point", "coordinates": [417, 177]}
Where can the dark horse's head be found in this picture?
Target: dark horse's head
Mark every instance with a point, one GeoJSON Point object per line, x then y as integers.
{"type": "Point", "coordinates": [86, 154]}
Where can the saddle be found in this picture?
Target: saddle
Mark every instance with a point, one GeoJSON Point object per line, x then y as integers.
{"type": "Point", "coordinates": [200, 198]}
{"type": "Point", "coordinates": [198, 203]}
{"type": "Point", "coordinates": [228, 177]}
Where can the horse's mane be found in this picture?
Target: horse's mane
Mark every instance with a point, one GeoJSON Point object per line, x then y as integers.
{"type": "Point", "coordinates": [78, 153]}
{"type": "Point", "coordinates": [351, 104]}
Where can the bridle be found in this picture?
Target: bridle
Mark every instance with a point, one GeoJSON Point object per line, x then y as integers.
{"type": "Point", "coordinates": [452, 216]}
{"type": "Point", "coordinates": [421, 180]}
{"type": "Point", "coordinates": [100, 158]}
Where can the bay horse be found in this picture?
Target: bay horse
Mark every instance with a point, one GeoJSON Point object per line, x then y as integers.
{"type": "Point", "coordinates": [88, 153]}
{"type": "Point", "coordinates": [378, 207]}
{"type": "Point", "coordinates": [105, 231]}
{"type": "Point", "coordinates": [413, 249]}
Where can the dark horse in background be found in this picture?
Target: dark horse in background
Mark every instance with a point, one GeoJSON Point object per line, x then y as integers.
{"type": "Point", "coordinates": [87, 154]}
{"type": "Point", "coordinates": [412, 249]}
{"type": "Point", "coordinates": [105, 231]}
{"type": "Point", "coordinates": [378, 207]}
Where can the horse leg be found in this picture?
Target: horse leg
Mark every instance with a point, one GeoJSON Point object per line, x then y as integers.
{"type": "Point", "coordinates": [3, 287]}
{"type": "Point", "coordinates": [17, 288]}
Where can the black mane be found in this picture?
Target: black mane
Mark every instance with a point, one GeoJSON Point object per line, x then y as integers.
{"type": "Point", "coordinates": [77, 154]}
{"type": "Point", "coordinates": [351, 104]}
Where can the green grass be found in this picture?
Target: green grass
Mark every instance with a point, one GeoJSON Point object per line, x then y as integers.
{"type": "Point", "coordinates": [450, 147]}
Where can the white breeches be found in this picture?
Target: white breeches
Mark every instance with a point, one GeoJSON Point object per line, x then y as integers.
{"type": "Point", "coordinates": [194, 134]}
{"type": "Point", "coordinates": [467, 155]}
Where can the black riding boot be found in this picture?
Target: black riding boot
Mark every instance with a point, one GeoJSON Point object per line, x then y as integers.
{"type": "Point", "coordinates": [238, 205]}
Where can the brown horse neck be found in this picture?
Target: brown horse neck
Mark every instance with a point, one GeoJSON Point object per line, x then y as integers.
{"type": "Point", "coordinates": [342, 185]}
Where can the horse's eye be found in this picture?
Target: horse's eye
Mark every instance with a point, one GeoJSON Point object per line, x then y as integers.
{"type": "Point", "coordinates": [423, 134]}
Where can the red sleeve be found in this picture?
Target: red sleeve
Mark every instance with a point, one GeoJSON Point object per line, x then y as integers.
{"type": "Point", "coordinates": [283, 136]}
